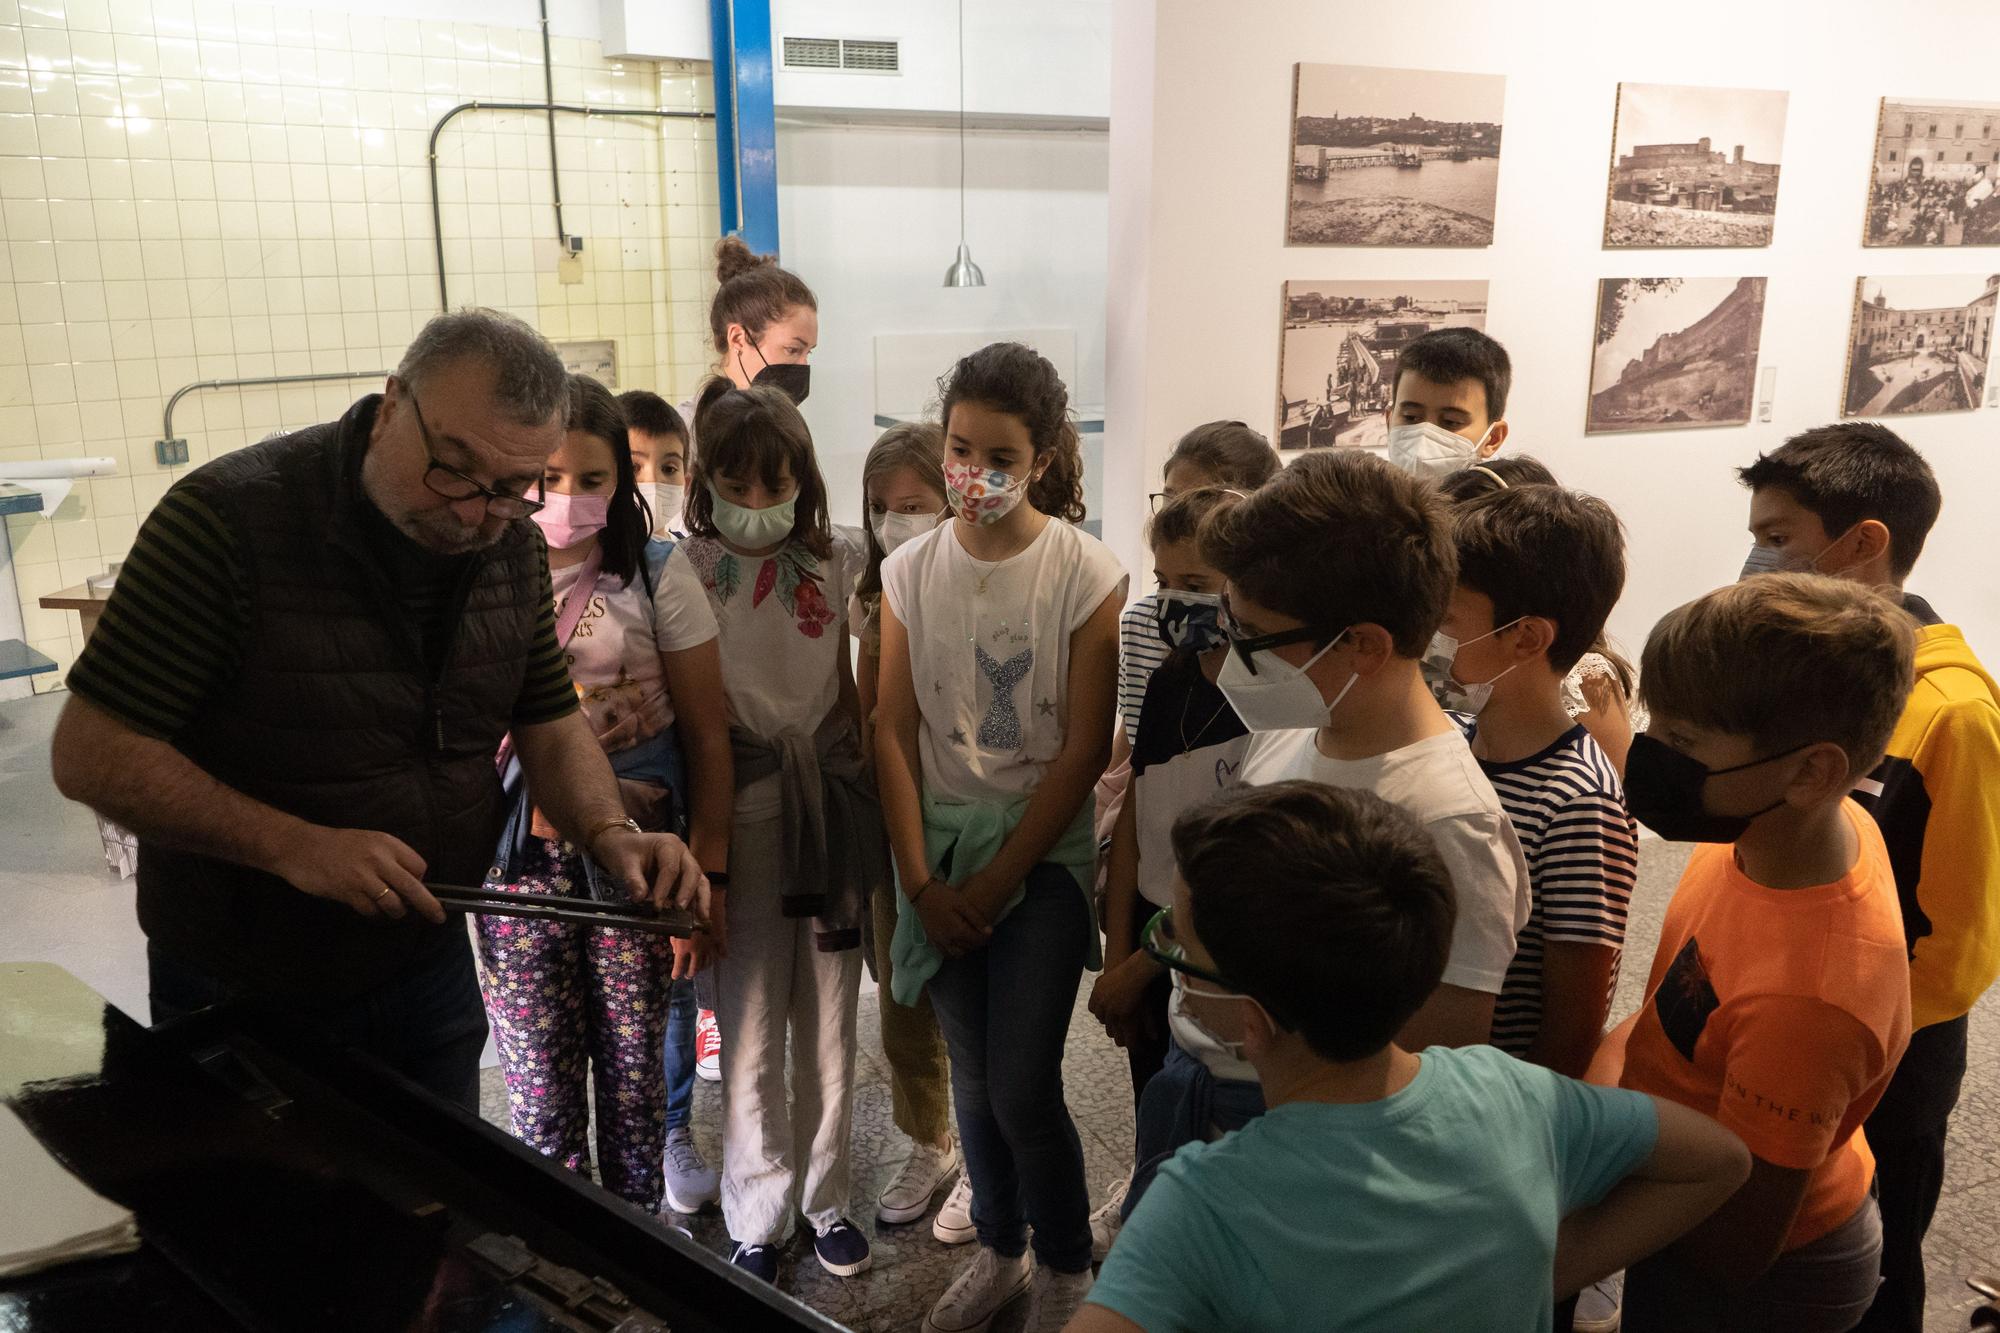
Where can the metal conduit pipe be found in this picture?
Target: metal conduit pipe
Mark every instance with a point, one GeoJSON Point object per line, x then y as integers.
{"type": "Point", "coordinates": [172, 452]}
{"type": "Point", "coordinates": [549, 95]}
{"type": "Point", "coordinates": [437, 209]}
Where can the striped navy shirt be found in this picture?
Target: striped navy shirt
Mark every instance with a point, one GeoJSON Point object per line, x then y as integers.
{"type": "Point", "coordinates": [1140, 652]}
{"type": "Point", "coordinates": [1568, 809]}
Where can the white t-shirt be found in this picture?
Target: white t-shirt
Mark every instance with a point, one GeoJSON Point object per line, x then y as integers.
{"type": "Point", "coordinates": [989, 653]}
{"type": "Point", "coordinates": [783, 621]}
{"type": "Point", "coordinates": [1438, 783]}
{"type": "Point", "coordinates": [614, 652]}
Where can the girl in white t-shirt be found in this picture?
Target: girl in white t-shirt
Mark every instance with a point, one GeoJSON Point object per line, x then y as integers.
{"type": "Point", "coordinates": [999, 662]}
{"type": "Point", "coordinates": [807, 831]}
{"type": "Point", "coordinates": [641, 649]}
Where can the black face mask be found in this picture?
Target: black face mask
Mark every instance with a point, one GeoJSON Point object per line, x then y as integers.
{"type": "Point", "coordinates": [793, 379]}
{"type": "Point", "coordinates": [1663, 790]}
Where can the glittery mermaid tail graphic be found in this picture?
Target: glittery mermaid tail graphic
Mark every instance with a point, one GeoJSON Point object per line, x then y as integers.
{"type": "Point", "coordinates": [1002, 728]}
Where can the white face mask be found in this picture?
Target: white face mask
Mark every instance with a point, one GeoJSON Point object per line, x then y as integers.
{"type": "Point", "coordinates": [1278, 696]}
{"type": "Point", "coordinates": [1203, 1042]}
{"type": "Point", "coordinates": [666, 501]}
{"type": "Point", "coordinates": [892, 530]}
{"type": "Point", "coordinates": [1429, 450]}
{"type": "Point", "coordinates": [1441, 658]}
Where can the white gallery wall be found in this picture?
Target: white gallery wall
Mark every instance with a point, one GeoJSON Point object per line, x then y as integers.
{"type": "Point", "coordinates": [1200, 113]}
{"type": "Point", "coordinates": [868, 216]}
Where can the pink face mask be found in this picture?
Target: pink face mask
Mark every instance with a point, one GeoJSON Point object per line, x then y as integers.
{"type": "Point", "coordinates": [984, 495]}
{"type": "Point", "coordinates": [568, 519]}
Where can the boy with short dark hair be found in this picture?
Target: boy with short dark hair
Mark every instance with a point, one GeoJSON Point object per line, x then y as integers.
{"type": "Point", "coordinates": [1539, 569]}
{"type": "Point", "coordinates": [1448, 401]}
{"type": "Point", "coordinates": [1855, 501]}
{"type": "Point", "coordinates": [1779, 1000]}
{"type": "Point", "coordinates": [1383, 1190]}
{"type": "Point", "coordinates": [659, 456]}
{"type": "Point", "coordinates": [1339, 570]}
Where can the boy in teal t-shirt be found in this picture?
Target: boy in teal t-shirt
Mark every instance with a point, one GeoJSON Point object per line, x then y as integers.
{"type": "Point", "coordinates": [1383, 1190]}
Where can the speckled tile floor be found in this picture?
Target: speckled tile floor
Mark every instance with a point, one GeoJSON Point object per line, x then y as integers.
{"type": "Point", "coordinates": [62, 907]}
{"type": "Point", "coordinates": [911, 1269]}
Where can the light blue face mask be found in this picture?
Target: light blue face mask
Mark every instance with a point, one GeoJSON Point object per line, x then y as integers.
{"type": "Point", "coordinates": [753, 529]}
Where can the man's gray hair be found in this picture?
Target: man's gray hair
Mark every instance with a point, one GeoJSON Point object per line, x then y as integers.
{"type": "Point", "coordinates": [529, 382]}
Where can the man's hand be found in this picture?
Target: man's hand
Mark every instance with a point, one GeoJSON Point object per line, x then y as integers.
{"type": "Point", "coordinates": [654, 868]}
{"type": "Point", "coordinates": [951, 921]}
{"type": "Point", "coordinates": [372, 872]}
{"type": "Point", "coordinates": [1116, 999]}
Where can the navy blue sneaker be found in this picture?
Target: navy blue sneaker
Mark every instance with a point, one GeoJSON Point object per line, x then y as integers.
{"type": "Point", "coordinates": [759, 1261]}
{"type": "Point", "coordinates": [842, 1249]}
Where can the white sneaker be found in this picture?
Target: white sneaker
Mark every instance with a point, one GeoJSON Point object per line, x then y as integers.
{"type": "Point", "coordinates": [1104, 1223]}
{"type": "Point", "coordinates": [1055, 1300]}
{"type": "Point", "coordinates": [707, 1047]}
{"type": "Point", "coordinates": [1600, 1306]}
{"type": "Point", "coordinates": [981, 1290]}
{"type": "Point", "coordinates": [953, 1224]}
{"type": "Point", "coordinates": [924, 1172]}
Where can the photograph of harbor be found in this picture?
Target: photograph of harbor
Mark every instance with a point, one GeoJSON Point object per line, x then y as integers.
{"type": "Point", "coordinates": [1694, 166]}
{"type": "Point", "coordinates": [1920, 344]}
{"type": "Point", "coordinates": [1675, 352]}
{"type": "Point", "coordinates": [1393, 156]}
{"type": "Point", "coordinates": [1338, 353]}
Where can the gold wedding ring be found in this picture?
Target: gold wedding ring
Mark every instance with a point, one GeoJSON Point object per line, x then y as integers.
{"type": "Point", "coordinates": [383, 894]}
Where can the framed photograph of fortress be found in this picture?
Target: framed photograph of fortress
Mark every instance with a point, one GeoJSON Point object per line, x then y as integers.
{"type": "Point", "coordinates": [1693, 166]}
{"type": "Point", "coordinates": [1393, 156]}
{"type": "Point", "coordinates": [1674, 352]}
{"type": "Point", "coordinates": [1936, 175]}
{"type": "Point", "coordinates": [1919, 344]}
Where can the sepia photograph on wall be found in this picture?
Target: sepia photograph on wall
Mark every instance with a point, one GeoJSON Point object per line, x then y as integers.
{"type": "Point", "coordinates": [1339, 349]}
{"type": "Point", "coordinates": [1919, 344]}
{"type": "Point", "coordinates": [1936, 175]}
{"type": "Point", "coordinates": [1674, 352]}
{"type": "Point", "coordinates": [1693, 166]}
{"type": "Point", "coordinates": [1393, 156]}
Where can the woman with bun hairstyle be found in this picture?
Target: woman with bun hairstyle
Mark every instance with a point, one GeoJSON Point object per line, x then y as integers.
{"type": "Point", "coordinates": [763, 325]}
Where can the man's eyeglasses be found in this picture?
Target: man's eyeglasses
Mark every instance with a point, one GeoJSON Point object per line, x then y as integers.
{"type": "Point", "coordinates": [1247, 646]}
{"type": "Point", "coordinates": [1157, 939]}
{"type": "Point", "coordinates": [455, 485]}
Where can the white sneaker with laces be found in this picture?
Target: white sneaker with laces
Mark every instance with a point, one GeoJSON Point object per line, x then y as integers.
{"type": "Point", "coordinates": [1600, 1307]}
{"type": "Point", "coordinates": [1055, 1300]}
{"type": "Point", "coordinates": [924, 1172]}
{"type": "Point", "coordinates": [953, 1224]}
{"type": "Point", "coordinates": [981, 1290]}
{"type": "Point", "coordinates": [1104, 1223]}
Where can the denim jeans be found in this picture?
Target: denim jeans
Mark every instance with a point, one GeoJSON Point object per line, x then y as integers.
{"type": "Point", "coordinates": [428, 1025]}
{"type": "Point", "coordinates": [1907, 1132]}
{"type": "Point", "coordinates": [1005, 1012]}
{"type": "Point", "coordinates": [677, 1054]}
{"type": "Point", "coordinates": [1822, 1287]}
{"type": "Point", "coordinates": [1184, 1104]}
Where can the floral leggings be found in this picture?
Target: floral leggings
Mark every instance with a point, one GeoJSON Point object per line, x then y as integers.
{"type": "Point", "coordinates": [559, 995]}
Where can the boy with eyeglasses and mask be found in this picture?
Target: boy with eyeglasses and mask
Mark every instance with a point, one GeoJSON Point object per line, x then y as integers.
{"type": "Point", "coordinates": [1779, 1000]}
{"type": "Point", "coordinates": [1854, 501]}
{"type": "Point", "coordinates": [1337, 572]}
{"type": "Point", "coordinates": [1384, 1190]}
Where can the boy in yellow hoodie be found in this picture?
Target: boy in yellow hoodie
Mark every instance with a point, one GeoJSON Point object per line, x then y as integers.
{"type": "Point", "coordinates": [1855, 501]}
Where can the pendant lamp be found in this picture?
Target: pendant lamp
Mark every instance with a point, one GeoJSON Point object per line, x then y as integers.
{"type": "Point", "coordinates": [963, 272]}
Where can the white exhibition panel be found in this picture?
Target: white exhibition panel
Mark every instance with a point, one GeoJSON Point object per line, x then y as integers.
{"type": "Point", "coordinates": [1201, 106]}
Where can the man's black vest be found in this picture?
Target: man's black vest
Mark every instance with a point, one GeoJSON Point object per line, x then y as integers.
{"type": "Point", "coordinates": [335, 717]}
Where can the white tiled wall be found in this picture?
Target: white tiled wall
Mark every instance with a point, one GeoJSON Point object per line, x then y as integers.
{"type": "Point", "coordinates": [194, 189]}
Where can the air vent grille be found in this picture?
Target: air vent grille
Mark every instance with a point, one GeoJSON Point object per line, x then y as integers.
{"type": "Point", "coordinates": [856, 56]}
{"type": "Point", "coordinates": [871, 57]}
{"type": "Point", "coordinates": [812, 53]}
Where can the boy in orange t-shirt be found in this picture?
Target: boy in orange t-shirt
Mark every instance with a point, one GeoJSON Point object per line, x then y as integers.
{"type": "Point", "coordinates": [1779, 998]}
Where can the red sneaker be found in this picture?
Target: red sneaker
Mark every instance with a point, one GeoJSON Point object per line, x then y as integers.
{"type": "Point", "coordinates": [707, 1047]}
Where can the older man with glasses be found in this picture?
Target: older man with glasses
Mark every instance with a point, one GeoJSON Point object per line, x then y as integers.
{"type": "Point", "coordinates": [296, 694]}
